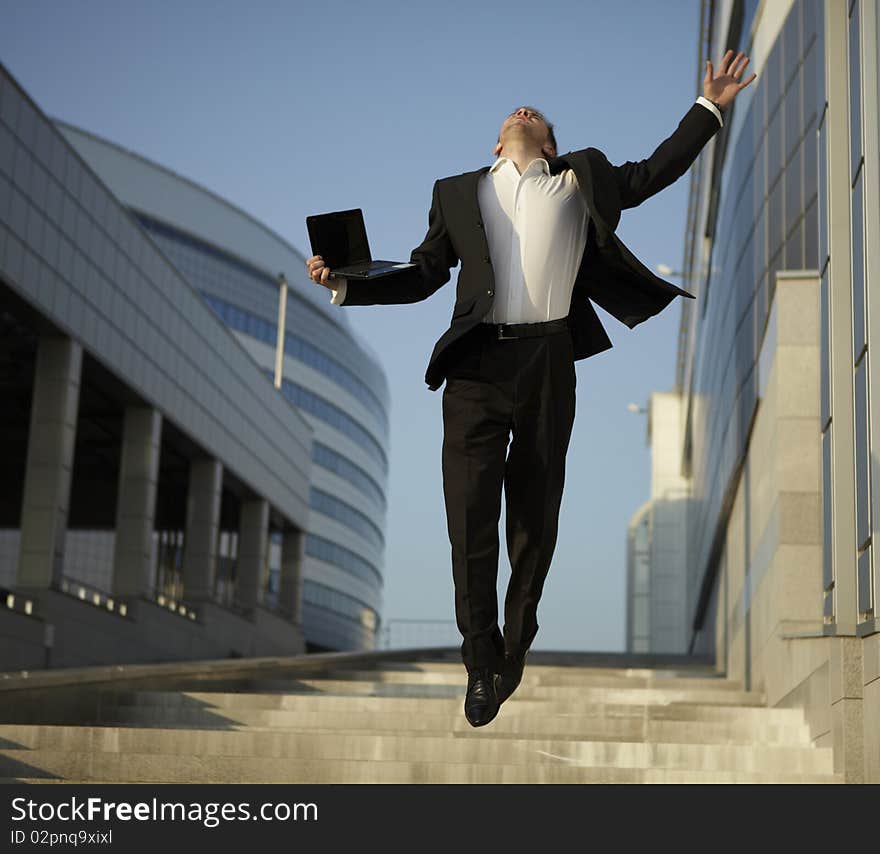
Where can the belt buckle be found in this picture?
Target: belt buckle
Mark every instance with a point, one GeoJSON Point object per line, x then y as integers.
{"type": "Point", "coordinates": [501, 335]}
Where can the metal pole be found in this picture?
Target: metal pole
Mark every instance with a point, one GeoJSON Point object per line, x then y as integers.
{"type": "Point", "coordinates": [282, 321]}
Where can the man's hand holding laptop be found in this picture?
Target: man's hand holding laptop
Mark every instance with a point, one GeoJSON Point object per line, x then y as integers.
{"type": "Point", "coordinates": [341, 238]}
{"type": "Point", "coordinates": [319, 272]}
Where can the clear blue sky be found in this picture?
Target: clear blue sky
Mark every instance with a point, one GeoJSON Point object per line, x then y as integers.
{"type": "Point", "coordinates": [288, 109]}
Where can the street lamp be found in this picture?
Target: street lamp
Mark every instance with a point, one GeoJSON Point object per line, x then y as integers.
{"type": "Point", "coordinates": [282, 322]}
{"type": "Point", "coordinates": [666, 270]}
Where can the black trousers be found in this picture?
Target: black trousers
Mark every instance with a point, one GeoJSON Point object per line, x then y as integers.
{"type": "Point", "coordinates": [522, 392]}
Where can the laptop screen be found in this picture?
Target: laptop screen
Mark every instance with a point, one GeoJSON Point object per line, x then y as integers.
{"type": "Point", "coordinates": [340, 238]}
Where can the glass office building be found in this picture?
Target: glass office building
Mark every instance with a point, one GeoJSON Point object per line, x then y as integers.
{"type": "Point", "coordinates": [774, 369]}
{"type": "Point", "coordinates": [161, 499]}
{"type": "Point", "coordinates": [328, 374]}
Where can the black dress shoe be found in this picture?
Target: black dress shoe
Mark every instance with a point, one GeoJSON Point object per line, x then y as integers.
{"type": "Point", "coordinates": [510, 675]}
{"type": "Point", "coordinates": [480, 702]}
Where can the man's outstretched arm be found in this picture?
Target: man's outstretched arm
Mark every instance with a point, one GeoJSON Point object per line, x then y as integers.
{"type": "Point", "coordinates": [639, 180]}
{"type": "Point", "coordinates": [434, 258]}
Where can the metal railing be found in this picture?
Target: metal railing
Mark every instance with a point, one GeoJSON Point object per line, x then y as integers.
{"type": "Point", "coordinates": [401, 633]}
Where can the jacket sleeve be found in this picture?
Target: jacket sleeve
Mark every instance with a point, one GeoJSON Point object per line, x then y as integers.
{"type": "Point", "coordinates": [434, 258]}
{"type": "Point", "coordinates": [639, 180]}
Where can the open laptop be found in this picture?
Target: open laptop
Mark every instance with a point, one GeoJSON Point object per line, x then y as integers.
{"type": "Point", "coordinates": [340, 238]}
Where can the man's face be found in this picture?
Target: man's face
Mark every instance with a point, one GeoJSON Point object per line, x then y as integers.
{"type": "Point", "coordinates": [527, 124]}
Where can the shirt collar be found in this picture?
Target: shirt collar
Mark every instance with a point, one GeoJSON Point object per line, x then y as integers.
{"type": "Point", "coordinates": [543, 165]}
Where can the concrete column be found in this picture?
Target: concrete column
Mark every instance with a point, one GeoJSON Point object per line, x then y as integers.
{"type": "Point", "coordinates": [136, 504]}
{"type": "Point", "coordinates": [49, 466]}
{"type": "Point", "coordinates": [293, 546]}
{"type": "Point", "coordinates": [253, 548]}
{"type": "Point", "coordinates": [871, 121]}
{"type": "Point", "coordinates": [202, 527]}
{"type": "Point", "coordinates": [669, 625]}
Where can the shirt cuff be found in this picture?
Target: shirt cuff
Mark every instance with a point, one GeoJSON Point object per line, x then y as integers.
{"type": "Point", "coordinates": [710, 106]}
{"type": "Point", "coordinates": [339, 293]}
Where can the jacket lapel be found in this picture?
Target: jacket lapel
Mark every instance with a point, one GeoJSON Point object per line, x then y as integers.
{"type": "Point", "coordinates": [581, 168]}
{"type": "Point", "coordinates": [470, 198]}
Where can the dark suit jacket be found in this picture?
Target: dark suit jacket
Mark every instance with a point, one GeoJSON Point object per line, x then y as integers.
{"type": "Point", "coordinates": [609, 273]}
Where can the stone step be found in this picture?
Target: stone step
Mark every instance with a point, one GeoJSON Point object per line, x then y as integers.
{"type": "Point", "coordinates": [622, 694]}
{"type": "Point", "coordinates": [286, 719]}
{"type": "Point", "coordinates": [418, 747]}
{"type": "Point", "coordinates": [623, 776]}
{"type": "Point", "coordinates": [507, 726]}
{"type": "Point", "coordinates": [220, 704]}
{"type": "Point", "coordinates": [220, 711]}
{"type": "Point", "coordinates": [532, 676]}
{"type": "Point", "coordinates": [532, 663]}
{"type": "Point", "coordinates": [128, 767]}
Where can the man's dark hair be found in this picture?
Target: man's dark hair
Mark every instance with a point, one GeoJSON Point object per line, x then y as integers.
{"type": "Point", "coordinates": [543, 118]}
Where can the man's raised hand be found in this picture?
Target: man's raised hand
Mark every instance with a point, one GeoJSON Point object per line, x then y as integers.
{"type": "Point", "coordinates": [724, 86]}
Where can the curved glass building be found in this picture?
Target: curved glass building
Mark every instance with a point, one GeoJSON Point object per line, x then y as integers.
{"type": "Point", "coordinates": [329, 375]}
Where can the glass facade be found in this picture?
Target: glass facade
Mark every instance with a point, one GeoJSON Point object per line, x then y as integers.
{"type": "Point", "coordinates": [210, 269]}
{"type": "Point", "coordinates": [337, 620]}
{"type": "Point", "coordinates": [349, 606]}
{"type": "Point", "coordinates": [329, 377]}
{"type": "Point", "coordinates": [861, 351]}
{"type": "Point", "coordinates": [256, 327]}
{"type": "Point", "coordinates": [335, 416]}
{"type": "Point", "coordinates": [350, 516]}
{"type": "Point", "coordinates": [266, 331]}
{"type": "Point", "coordinates": [80, 277]}
{"type": "Point", "coordinates": [82, 262]}
{"type": "Point", "coordinates": [329, 459]}
{"type": "Point", "coordinates": [332, 618]}
{"type": "Point", "coordinates": [344, 558]}
{"type": "Point", "coordinates": [767, 220]}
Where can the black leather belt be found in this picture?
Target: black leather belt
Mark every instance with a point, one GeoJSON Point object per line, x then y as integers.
{"type": "Point", "coordinates": [510, 331]}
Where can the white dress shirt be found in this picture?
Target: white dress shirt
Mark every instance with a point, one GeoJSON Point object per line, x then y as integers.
{"type": "Point", "coordinates": [536, 228]}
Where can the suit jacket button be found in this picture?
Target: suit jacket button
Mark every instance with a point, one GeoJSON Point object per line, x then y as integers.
{"type": "Point", "coordinates": [479, 224]}
{"type": "Point", "coordinates": [490, 292]}
{"type": "Point", "coordinates": [486, 258]}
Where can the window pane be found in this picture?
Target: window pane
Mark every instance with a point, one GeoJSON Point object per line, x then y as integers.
{"type": "Point", "coordinates": [866, 599]}
{"type": "Point", "coordinates": [774, 218]}
{"type": "Point", "coordinates": [863, 494]}
{"type": "Point", "coordinates": [823, 193]}
{"type": "Point", "coordinates": [773, 73]}
{"type": "Point", "coordinates": [794, 202]}
{"type": "Point", "coordinates": [791, 38]}
{"type": "Point", "coordinates": [855, 98]}
{"type": "Point", "coordinates": [824, 357]}
{"type": "Point", "coordinates": [774, 147]}
{"type": "Point", "coordinates": [858, 268]}
{"type": "Point", "coordinates": [827, 576]}
{"type": "Point", "coordinates": [794, 249]}
{"type": "Point", "coordinates": [811, 232]}
{"type": "Point", "coordinates": [792, 110]}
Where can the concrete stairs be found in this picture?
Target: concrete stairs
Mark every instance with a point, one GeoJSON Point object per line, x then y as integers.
{"type": "Point", "coordinates": [402, 722]}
